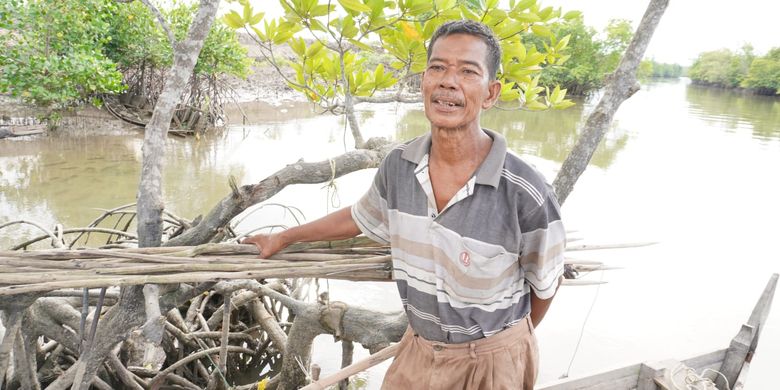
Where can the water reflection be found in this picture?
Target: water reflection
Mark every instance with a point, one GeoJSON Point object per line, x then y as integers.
{"type": "Point", "coordinates": [62, 179]}
{"type": "Point", "coordinates": [735, 111]}
{"type": "Point", "coordinates": [549, 135]}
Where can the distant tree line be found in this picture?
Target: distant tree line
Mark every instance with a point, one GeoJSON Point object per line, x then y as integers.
{"type": "Point", "coordinates": [594, 55]}
{"type": "Point", "coordinates": [738, 69]}
{"type": "Point", "coordinates": [661, 69]}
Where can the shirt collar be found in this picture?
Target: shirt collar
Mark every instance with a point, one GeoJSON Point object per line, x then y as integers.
{"type": "Point", "coordinates": [488, 173]}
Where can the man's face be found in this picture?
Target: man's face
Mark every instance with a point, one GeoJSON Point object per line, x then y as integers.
{"type": "Point", "coordinates": [456, 85]}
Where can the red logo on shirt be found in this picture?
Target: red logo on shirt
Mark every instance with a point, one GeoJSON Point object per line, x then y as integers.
{"type": "Point", "coordinates": [465, 258]}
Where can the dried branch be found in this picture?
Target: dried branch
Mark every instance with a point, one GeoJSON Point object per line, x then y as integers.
{"type": "Point", "coordinates": [54, 239]}
{"type": "Point", "coordinates": [162, 22]}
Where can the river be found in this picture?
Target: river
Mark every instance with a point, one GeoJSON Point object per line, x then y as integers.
{"type": "Point", "coordinates": [691, 168]}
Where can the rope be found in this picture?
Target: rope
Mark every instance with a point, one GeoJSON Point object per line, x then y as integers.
{"type": "Point", "coordinates": [694, 381]}
{"type": "Point", "coordinates": [332, 199]}
{"type": "Point", "coordinates": [582, 329]}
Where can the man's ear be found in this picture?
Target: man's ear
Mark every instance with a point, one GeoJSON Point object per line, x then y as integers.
{"type": "Point", "coordinates": [494, 91]}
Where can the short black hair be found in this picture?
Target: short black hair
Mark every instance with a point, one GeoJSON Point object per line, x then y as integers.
{"type": "Point", "coordinates": [477, 29]}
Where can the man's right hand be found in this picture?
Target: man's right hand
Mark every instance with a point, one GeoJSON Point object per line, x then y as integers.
{"type": "Point", "coordinates": [267, 244]}
{"type": "Point", "coordinates": [334, 226]}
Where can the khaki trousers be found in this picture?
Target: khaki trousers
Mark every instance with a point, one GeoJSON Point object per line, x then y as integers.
{"type": "Point", "coordinates": [508, 360]}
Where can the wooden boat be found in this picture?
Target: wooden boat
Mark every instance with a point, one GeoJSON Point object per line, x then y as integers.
{"type": "Point", "coordinates": [722, 369]}
{"type": "Point", "coordinates": [727, 368]}
{"type": "Point", "coordinates": [21, 130]}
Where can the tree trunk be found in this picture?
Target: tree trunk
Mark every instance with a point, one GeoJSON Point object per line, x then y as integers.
{"type": "Point", "coordinates": [185, 55]}
{"type": "Point", "coordinates": [620, 86]}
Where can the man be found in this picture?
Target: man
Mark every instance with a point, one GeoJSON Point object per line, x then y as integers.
{"type": "Point", "coordinates": [476, 237]}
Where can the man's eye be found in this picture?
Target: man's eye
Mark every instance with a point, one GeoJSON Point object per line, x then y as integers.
{"type": "Point", "coordinates": [469, 71]}
{"type": "Point", "coordinates": [436, 67]}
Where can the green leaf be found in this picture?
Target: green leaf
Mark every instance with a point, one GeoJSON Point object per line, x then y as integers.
{"type": "Point", "coordinates": [535, 105]}
{"type": "Point", "coordinates": [509, 92]}
{"type": "Point", "coordinates": [496, 16]}
{"type": "Point", "coordinates": [259, 33]}
{"type": "Point", "coordinates": [523, 5]}
{"type": "Point", "coordinates": [468, 14]}
{"type": "Point", "coordinates": [321, 10]}
{"type": "Point", "coordinates": [355, 6]}
{"type": "Point", "coordinates": [420, 7]}
{"type": "Point", "coordinates": [572, 15]}
{"type": "Point", "coordinates": [247, 11]}
{"type": "Point", "coordinates": [516, 51]}
{"type": "Point", "coordinates": [282, 37]}
{"type": "Point", "coordinates": [298, 46]}
{"type": "Point", "coordinates": [233, 20]}
{"type": "Point", "coordinates": [527, 17]}
{"type": "Point", "coordinates": [564, 104]}
{"type": "Point", "coordinates": [348, 29]}
{"type": "Point", "coordinates": [546, 13]}
{"type": "Point", "coordinates": [314, 49]}
{"type": "Point", "coordinates": [256, 18]}
{"type": "Point", "coordinates": [379, 72]}
{"type": "Point", "coordinates": [398, 65]}
{"type": "Point", "coordinates": [562, 43]}
{"type": "Point", "coordinates": [444, 4]}
{"type": "Point", "coordinates": [557, 95]}
{"type": "Point", "coordinates": [361, 45]}
{"type": "Point", "coordinates": [317, 25]}
{"type": "Point", "coordinates": [541, 31]}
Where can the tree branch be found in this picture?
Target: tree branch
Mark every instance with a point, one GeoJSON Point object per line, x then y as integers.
{"type": "Point", "coordinates": [620, 86]}
{"type": "Point", "coordinates": [298, 173]}
{"type": "Point", "coordinates": [161, 21]}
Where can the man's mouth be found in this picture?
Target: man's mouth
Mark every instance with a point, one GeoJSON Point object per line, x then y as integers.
{"type": "Point", "coordinates": [448, 103]}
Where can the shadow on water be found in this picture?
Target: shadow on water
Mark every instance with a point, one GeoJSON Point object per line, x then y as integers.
{"type": "Point", "coordinates": [735, 111]}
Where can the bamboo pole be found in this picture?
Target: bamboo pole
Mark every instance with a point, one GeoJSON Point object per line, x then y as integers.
{"type": "Point", "coordinates": [354, 368]}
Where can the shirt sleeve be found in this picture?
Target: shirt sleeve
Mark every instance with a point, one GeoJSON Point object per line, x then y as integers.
{"type": "Point", "coordinates": [370, 212]}
{"type": "Point", "coordinates": [543, 245]}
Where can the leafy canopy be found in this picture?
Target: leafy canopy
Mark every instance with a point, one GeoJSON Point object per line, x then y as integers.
{"type": "Point", "coordinates": [59, 53]}
{"type": "Point", "coordinates": [592, 57]}
{"type": "Point", "coordinates": [53, 50]}
{"type": "Point", "coordinates": [332, 64]}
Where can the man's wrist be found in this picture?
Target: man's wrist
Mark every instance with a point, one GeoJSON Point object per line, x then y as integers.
{"type": "Point", "coordinates": [284, 238]}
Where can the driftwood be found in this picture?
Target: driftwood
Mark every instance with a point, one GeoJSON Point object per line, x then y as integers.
{"type": "Point", "coordinates": [300, 172]}
{"type": "Point", "coordinates": [241, 332]}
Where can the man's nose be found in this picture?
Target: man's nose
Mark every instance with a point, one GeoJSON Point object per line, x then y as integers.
{"type": "Point", "coordinates": [448, 79]}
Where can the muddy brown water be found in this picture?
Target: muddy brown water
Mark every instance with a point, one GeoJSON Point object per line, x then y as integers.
{"type": "Point", "coordinates": [694, 169]}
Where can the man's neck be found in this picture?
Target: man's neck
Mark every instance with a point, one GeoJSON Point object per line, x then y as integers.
{"type": "Point", "coordinates": [457, 147]}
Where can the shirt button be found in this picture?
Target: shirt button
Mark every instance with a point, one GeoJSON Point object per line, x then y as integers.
{"type": "Point", "coordinates": [433, 215]}
{"type": "Point", "coordinates": [437, 348]}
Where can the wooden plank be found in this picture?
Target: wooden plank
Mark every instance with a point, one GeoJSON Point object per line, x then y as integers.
{"type": "Point", "coordinates": [707, 360]}
{"type": "Point", "coordinates": [735, 357]}
{"type": "Point", "coordinates": [621, 378]}
{"type": "Point", "coordinates": [744, 343]}
{"type": "Point", "coordinates": [653, 373]}
{"type": "Point", "coordinates": [761, 310]}
{"type": "Point", "coordinates": [740, 384]}
{"type": "Point", "coordinates": [27, 129]}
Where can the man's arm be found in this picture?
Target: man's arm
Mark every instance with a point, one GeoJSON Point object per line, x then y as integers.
{"type": "Point", "coordinates": [334, 226]}
{"type": "Point", "coordinates": [539, 306]}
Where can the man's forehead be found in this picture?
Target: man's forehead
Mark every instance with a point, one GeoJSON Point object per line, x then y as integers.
{"type": "Point", "coordinates": [476, 46]}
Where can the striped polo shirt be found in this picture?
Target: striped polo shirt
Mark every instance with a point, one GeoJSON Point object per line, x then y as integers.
{"type": "Point", "coordinates": [466, 272]}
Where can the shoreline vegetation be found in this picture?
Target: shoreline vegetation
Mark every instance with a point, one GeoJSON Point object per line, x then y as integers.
{"type": "Point", "coordinates": [132, 343]}
{"type": "Point", "coordinates": [110, 56]}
